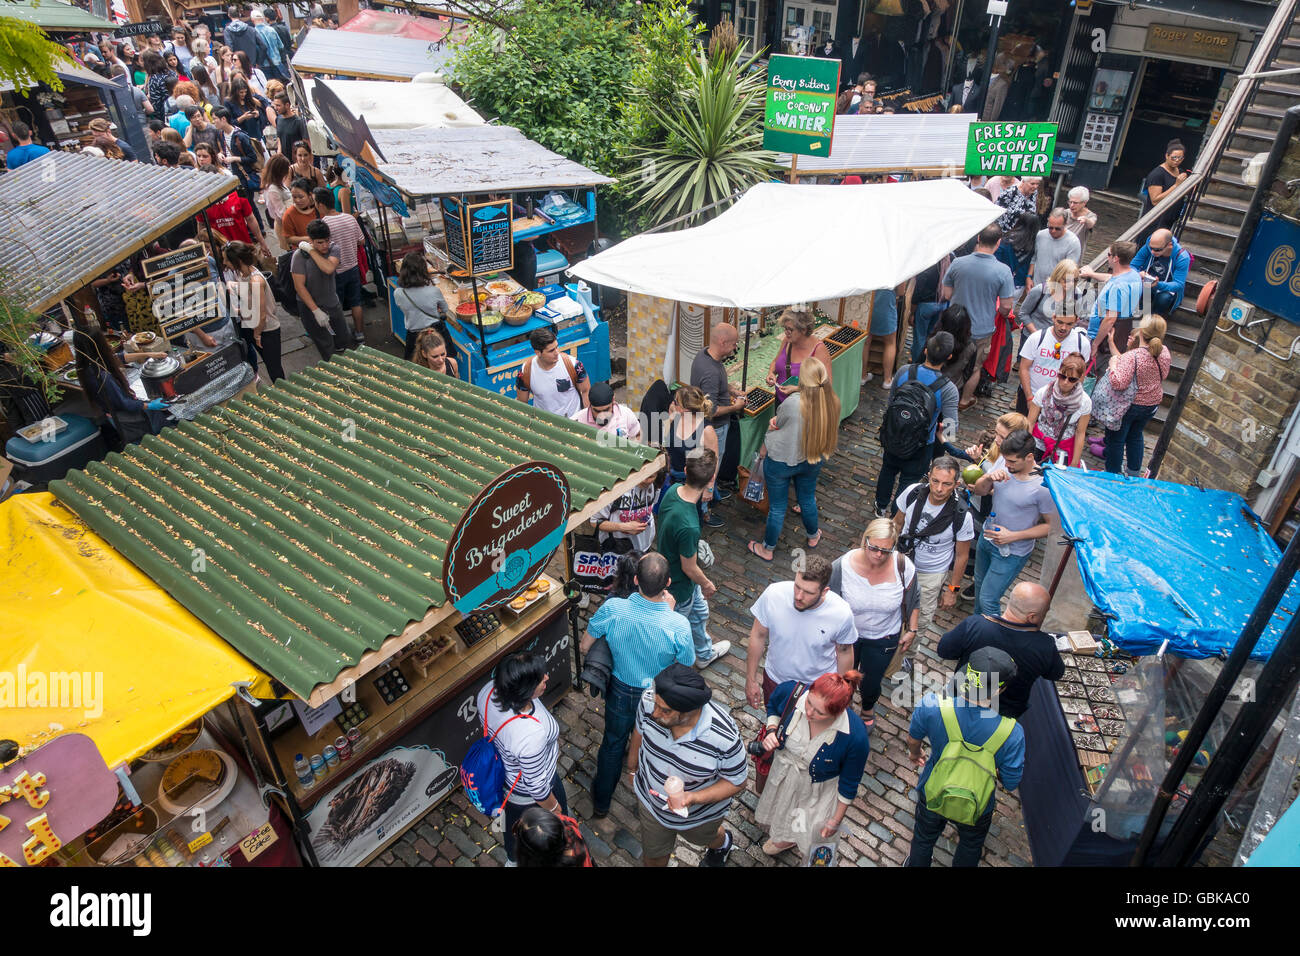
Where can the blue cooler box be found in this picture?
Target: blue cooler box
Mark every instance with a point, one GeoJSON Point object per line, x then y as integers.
{"type": "Point", "coordinates": [41, 462]}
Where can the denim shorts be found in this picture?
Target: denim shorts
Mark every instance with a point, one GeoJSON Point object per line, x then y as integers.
{"type": "Point", "coordinates": [884, 313]}
{"type": "Point", "coordinates": [347, 283]}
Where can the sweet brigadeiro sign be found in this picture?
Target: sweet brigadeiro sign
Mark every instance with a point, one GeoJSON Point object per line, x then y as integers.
{"type": "Point", "coordinates": [506, 536]}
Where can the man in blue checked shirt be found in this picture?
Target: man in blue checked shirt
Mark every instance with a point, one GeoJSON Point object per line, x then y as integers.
{"type": "Point", "coordinates": [645, 635]}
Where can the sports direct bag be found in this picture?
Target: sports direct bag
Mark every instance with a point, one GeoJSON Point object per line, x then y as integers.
{"type": "Point", "coordinates": [908, 424]}
{"type": "Point", "coordinates": [962, 781]}
{"type": "Point", "coordinates": [484, 775]}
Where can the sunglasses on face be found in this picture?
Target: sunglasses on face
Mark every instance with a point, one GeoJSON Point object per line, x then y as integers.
{"type": "Point", "coordinates": [1071, 378]}
{"type": "Point", "coordinates": [872, 547]}
{"type": "Point", "coordinates": [1157, 249]}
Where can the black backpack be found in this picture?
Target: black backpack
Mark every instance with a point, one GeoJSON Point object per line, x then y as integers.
{"type": "Point", "coordinates": [952, 515]}
{"type": "Point", "coordinates": [908, 425]}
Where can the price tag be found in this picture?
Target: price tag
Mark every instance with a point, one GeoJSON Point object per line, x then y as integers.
{"type": "Point", "coordinates": [200, 841]}
{"type": "Point", "coordinates": [257, 841]}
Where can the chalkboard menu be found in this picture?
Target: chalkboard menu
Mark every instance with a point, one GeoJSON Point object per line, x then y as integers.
{"type": "Point", "coordinates": [453, 226]}
{"type": "Point", "coordinates": [491, 238]}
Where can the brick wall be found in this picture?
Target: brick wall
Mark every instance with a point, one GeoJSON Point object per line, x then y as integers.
{"type": "Point", "coordinates": [1242, 397]}
{"type": "Point", "coordinates": [1238, 407]}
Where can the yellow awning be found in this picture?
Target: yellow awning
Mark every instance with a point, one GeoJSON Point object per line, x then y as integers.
{"type": "Point", "coordinates": [88, 644]}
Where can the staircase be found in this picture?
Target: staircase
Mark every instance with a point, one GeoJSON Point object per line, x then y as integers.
{"type": "Point", "coordinates": [1213, 220]}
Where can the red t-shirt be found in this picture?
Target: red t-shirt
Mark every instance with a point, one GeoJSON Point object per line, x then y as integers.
{"type": "Point", "coordinates": [230, 218]}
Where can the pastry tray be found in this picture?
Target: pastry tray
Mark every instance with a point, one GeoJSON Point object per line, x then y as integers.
{"type": "Point", "coordinates": [554, 586]}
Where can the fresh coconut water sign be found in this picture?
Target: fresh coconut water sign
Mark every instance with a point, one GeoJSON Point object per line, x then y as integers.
{"type": "Point", "coordinates": [799, 115]}
{"type": "Point", "coordinates": [1010, 149]}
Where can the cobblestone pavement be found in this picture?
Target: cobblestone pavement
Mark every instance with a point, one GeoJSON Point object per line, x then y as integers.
{"type": "Point", "coordinates": [880, 820]}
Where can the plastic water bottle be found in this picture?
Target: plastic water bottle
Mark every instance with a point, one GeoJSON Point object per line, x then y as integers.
{"type": "Point", "coordinates": [1004, 550]}
{"type": "Point", "coordinates": [306, 779]}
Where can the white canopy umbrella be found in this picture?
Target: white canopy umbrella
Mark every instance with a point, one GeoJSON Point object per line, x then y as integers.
{"type": "Point", "coordinates": [782, 244]}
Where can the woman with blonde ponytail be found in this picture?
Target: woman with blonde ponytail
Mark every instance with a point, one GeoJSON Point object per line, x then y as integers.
{"type": "Point", "coordinates": [1146, 359]}
{"type": "Point", "coordinates": [803, 434]}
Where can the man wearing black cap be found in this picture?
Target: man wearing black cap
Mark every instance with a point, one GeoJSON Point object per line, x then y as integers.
{"type": "Point", "coordinates": [683, 736]}
{"type": "Point", "coordinates": [971, 704]}
{"type": "Point", "coordinates": [612, 418]}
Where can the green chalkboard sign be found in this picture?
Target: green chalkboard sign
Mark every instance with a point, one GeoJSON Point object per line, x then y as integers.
{"type": "Point", "coordinates": [1010, 149]}
{"type": "Point", "coordinates": [799, 115]}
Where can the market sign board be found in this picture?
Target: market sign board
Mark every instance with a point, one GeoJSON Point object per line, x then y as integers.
{"type": "Point", "coordinates": [799, 114]}
{"type": "Point", "coordinates": [1216, 45]}
{"type": "Point", "coordinates": [147, 28]}
{"type": "Point", "coordinates": [998, 149]}
{"type": "Point", "coordinates": [453, 228]}
{"type": "Point", "coordinates": [506, 536]}
{"type": "Point", "coordinates": [491, 237]}
{"type": "Point", "coordinates": [52, 796]}
{"type": "Point", "coordinates": [1269, 277]}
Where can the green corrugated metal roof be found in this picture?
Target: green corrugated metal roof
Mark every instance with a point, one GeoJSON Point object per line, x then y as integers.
{"type": "Point", "coordinates": [315, 548]}
{"type": "Point", "coordinates": [54, 15]}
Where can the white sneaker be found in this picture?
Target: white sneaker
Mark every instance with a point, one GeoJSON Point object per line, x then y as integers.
{"type": "Point", "coordinates": [868, 377]}
{"type": "Point", "coordinates": [510, 863]}
{"type": "Point", "coordinates": [720, 648]}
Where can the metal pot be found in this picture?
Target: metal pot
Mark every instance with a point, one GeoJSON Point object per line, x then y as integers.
{"type": "Point", "coordinates": [158, 376]}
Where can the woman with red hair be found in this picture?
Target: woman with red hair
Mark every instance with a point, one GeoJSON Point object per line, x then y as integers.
{"type": "Point", "coordinates": [821, 750]}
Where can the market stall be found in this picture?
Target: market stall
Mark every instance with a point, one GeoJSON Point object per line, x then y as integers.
{"type": "Point", "coordinates": [67, 222]}
{"type": "Point", "coordinates": [1175, 573]}
{"type": "Point", "coordinates": [414, 182]}
{"type": "Point", "coordinates": [826, 247]}
{"type": "Point", "coordinates": [387, 105]}
{"type": "Point", "coordinates": [386, 548]}
{"type": "Point", "coordinates": [61, 119]}
{"type": "Point", "coordinates": [142, 761]}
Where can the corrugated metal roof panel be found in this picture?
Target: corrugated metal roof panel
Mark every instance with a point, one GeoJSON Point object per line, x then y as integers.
{"type": "Point", "coordinates": [67, 217]}
{"type": "Point", "coordinates": [342, 53]}
{"type": "Point", "coordinates": [54, 15]}
{"type": "Point", "coordinates": [475, 159]}
{"type": "Point", "coordinates": [893, 142]}
{"type": "Point", "coordinates": [305, 541]}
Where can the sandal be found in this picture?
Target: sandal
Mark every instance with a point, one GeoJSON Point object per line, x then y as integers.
{"type": "Point", "coordinates": [966, 403]}
{"type": "Point", "coordinates": [868, 721]}
{"type": "Point", "coordinates": [796, 509]}
{"type": "Point", "coordinates": [815, 540]}
{"type": "Point", "coordinates": [772, 848]}
{"type": "Point", "coordinates": [751, 548]}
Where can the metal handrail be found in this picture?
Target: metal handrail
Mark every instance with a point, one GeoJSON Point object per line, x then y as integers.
{"type": "Point", "coordinates": [1212, 149]}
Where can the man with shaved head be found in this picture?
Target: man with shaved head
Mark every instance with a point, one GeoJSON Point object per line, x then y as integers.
{"type": "Point", "coordinates": [1163, 264]}
{"type": "Point", "coordinates": [1017, 633]}
{"type": "Point", "coordinates": [709, 375]}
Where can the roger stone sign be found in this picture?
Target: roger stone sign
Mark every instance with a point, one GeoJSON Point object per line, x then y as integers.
{"type": "Point", "coordinates": [506, 536]}
{"type": "Point", "coordinates": [995, 149]}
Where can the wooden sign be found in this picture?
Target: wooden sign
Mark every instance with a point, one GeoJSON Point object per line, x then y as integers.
{"type": "Point", "coordinates": [506, 536]}
{"type": "Point", "coordinates": [1216, 45]}
{"type": "Point", "coordinates": [453, 227]}
{"type": "Point", "coordinates": [171, 261]}
{"type": "Point", "coordinates": [147, 28]}
{"type": "Point", "coordinates": [491, 238]}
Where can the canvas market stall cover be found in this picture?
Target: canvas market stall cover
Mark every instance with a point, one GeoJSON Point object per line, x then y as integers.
{"type": "Point", "coordinates": [931, 144]}
{"type": "Point", "coordinates": [103, 673]}
{"type": "Point", "coordinates": [387, 105]}
{"type": "Point", "coordinates": [368, 55]}
{"type": "Point", "coordinates": [827, 247]}
{"type": "Point", "coordinates": [344, 564]}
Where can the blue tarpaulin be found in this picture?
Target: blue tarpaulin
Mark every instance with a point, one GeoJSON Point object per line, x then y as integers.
{"type": "Point", "coordinates": [1169, 562]}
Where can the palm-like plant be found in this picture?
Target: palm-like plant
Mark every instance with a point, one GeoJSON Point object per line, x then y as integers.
{"type": "Point", "coordinates": [714, 143]}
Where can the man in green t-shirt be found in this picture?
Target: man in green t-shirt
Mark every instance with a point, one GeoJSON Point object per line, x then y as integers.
{"type": "Point", "coordinates": [679, 541]}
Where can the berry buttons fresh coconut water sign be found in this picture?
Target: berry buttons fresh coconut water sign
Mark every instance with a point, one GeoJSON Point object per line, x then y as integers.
{"type": "Point", "coordinates": [506, 536]}
{"type": "Point", "coordinates": [800, 111]}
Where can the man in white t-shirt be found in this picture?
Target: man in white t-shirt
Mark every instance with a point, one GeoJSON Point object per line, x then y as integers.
{"type": "Point", "coordinates": [552, 380]}
{"type": "Point", "coordinates": [806, 630]}
{"type": "Point", "coordinates": [1042, 353]}
{"type": "Point", "coordinates": [935, 531]}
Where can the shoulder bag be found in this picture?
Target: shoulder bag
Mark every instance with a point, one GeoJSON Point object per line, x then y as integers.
{"type": "Point", "coordinates": [1109, 404]}
{"type": "Point", "coordinates": [762, 757]}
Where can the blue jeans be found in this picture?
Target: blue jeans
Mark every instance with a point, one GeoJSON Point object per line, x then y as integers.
{"type": "Point", "coordinates": [927, 314]}
{"type": "Point", "coordinates": [1162, 303]}
{"type": "Point", "coordinates": [778, 476]}
{"type": "Point", "coordinates": [1130, 437]}
{"type": "Point", "coordinates": [929, 827]}
{"type": "Point", "coordinates": [994, 574]}
{"type": "Point", "coordinates": [620, 719]}
{"type": "Point", "coordinates": [696, 611]}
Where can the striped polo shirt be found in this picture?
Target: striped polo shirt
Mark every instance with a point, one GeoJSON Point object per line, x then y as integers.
{"type": "Point", "coordinates": [644, 637]}
{"type": "Point", "coordinates": [710, 752]}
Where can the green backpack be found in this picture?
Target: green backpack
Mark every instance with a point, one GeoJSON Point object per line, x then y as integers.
{"type": "Point", "coordinates": [961, 784]}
